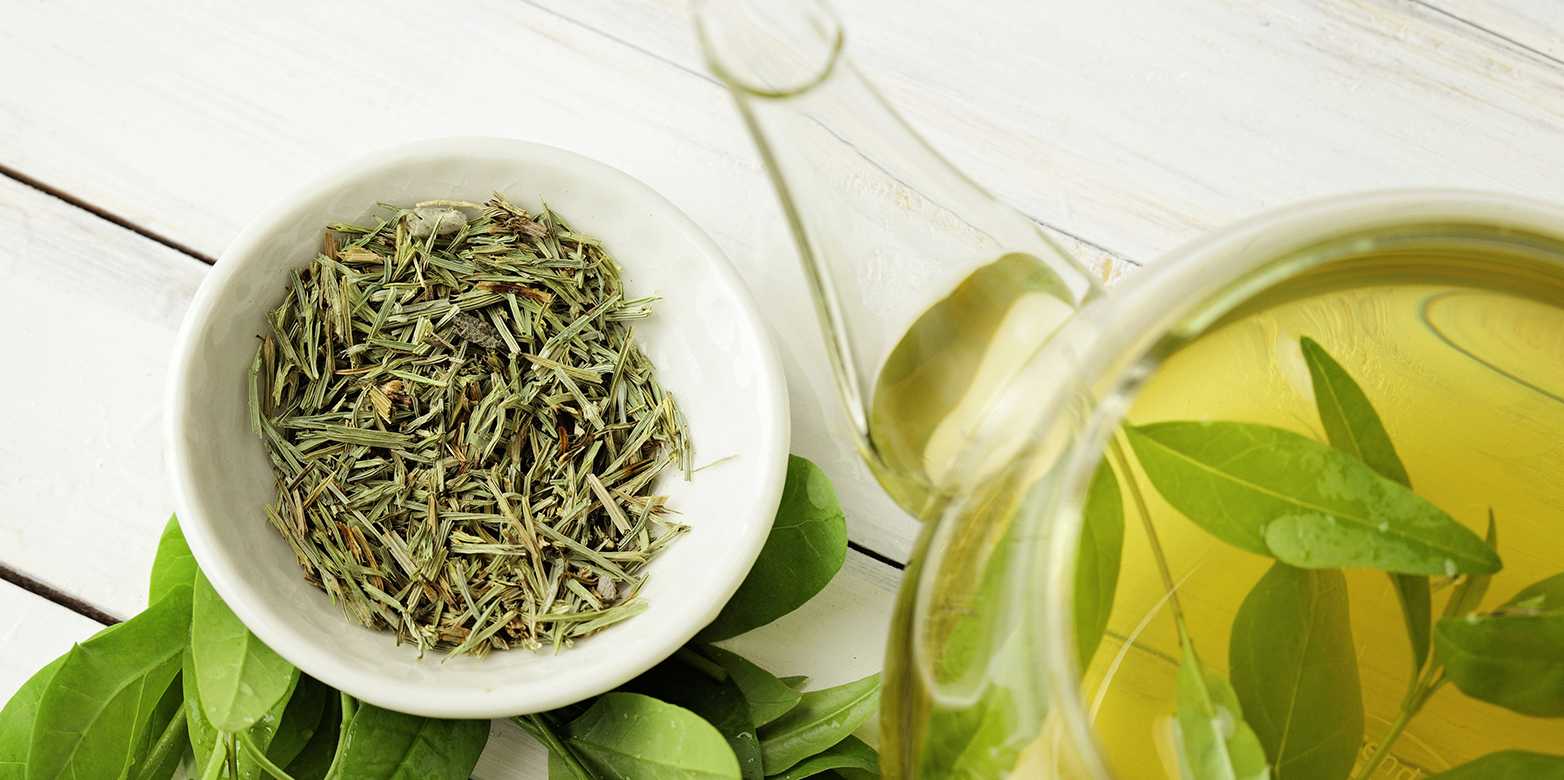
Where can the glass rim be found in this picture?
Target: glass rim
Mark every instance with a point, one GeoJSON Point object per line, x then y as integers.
{"type": "Point", "coordinates": [1142, 321]}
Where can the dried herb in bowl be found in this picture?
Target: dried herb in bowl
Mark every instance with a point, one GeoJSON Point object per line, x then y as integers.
{"type": "Point", "coordinates": [463, 429]}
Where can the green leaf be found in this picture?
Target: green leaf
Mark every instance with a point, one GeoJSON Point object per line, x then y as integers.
{"type": "Point", "coordinates": [1468, 595]}
{"type": "Point", "coordinates": [558, 769]}
{"type": "Point", "coordinates": [1416, 597]}
{"type": "Point", "coordinates": [1295, 670]}
{"type": "Point", "coordinates": [239, 677]}
{"type": "Point", "coordinates": [1097, 562]}
{"type": "Point", "coordinates": [391, 746]}
{"type": "Point", "coordinates": [797, 682]}
{"type": "Point", "coordinates": [1273, 492]}
{"type": "Point", "coordinates": [625, 735]}
{"type": "Point", "coordinates": [721, 703]}
{"type": "Point", "coordinates": [822, 719]}
{"type": "Point", "coordinates": [299, 720]}
{"type": "Point", "coordinates": [1215, 742]}
{"type": "Point", "coordinates": [1352, 426]}
{"type": "Point", "coordinates": [767, 697]}
{"type": "Point", "coordinates": [314, 759]}
{"type": "Point", "coordinates": [162, 717]}
{"type": "Point", "coordinates": [850, 753]}
{"type": "Point", "coordinates": [92, 713]}
{"type": "Point", "coordinates": [1514, 657]}
{"type": "Point", "coordinates": [204, 736]}
{"type": "Point", "coordinates": [807, 545]}
{"type": "Point", "coordinates": [1545, 597]}
{"type": "Point", "coordinates": [16, 721]}
{"type": "Point", "coordinates": [1508, 765]}
{"type": "Point", "coordinates": [173, 566]}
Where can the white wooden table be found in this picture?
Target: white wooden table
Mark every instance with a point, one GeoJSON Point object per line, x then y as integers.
{"type": "Point", "coordinates": [136, 138]}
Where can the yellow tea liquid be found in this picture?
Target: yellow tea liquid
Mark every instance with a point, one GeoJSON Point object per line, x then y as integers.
{"type": "Point", "coordinates": [1462, 355]}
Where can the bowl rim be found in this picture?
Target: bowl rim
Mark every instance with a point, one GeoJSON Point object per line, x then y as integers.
{"type": "Point", "coordinates": [369, 682]}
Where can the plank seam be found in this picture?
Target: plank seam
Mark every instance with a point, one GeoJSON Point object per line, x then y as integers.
{"type": "Point", "coordinates": [871, 554]}
{"type": "Point", "coordinates": [676, 65]}
{"type": "Point", "coordinates": [58, 597]}
{"type": "Point", "coordinates": [103, 214]}
{"type": "Point", "coordinates": [1463, 21]}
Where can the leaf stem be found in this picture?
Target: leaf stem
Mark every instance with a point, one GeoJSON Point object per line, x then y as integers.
{"type": "Point", "coordinates": [1121, 459]}
{"type": "Point", "coordinates": [259, 756]}
{"type": "Point", "coordinates": [540, 728]}
{"type": "Point", "coordinates": [349, 709]}
{"type": "Point", "coordinates": [172, 739]}
{"type": "Point", "coordinates": [214, 765]}
{"type": "Point", "coordinates": [1428, 683]}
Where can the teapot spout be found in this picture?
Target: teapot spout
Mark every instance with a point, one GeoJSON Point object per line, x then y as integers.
{"type": "Point", "coordinates": [932, 294]}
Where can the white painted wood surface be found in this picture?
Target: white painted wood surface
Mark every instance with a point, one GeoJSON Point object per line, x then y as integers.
{"type": "Point", "coordinates": [1129, 126]}
{"type": "Point", "coordinates": [33, 632]}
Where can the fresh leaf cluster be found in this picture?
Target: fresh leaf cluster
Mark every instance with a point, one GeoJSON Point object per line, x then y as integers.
{"type": "Point", "coordinates": [186, 682]}
{"type": "Point", "coordinates": [185, 678]}
{"type": "Point", "coordinates": [708, 712]}
{"type": "Point", "coordinates": [1294, 708]}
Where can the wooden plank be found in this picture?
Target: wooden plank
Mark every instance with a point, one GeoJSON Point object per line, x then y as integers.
{"type": "Point", "coordinates": [90, 312]}
{"type": "Point", "coordinates": [1142, 125]}
{"type": "Point", "coordinates": [34, 632]}
{"type": "Point", "coordinates": [1537, 25]}
{"type": "Point", "coordinates": [222, 116]}
{"type": "Point", "coordinates": [1132, 126]}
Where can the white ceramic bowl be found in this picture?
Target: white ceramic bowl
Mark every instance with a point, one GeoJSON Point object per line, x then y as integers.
{"type": "Point", "coordinates": [704, 337]}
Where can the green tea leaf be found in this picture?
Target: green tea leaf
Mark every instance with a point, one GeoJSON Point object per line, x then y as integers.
{"type": "Point", "coordinates": [161, 720]}
{"type": "Point", "coordinates": [239, 677]}
{"type": "Point", "coordinates": [627, 735]}
{"type": "Point", "coordinates": [16, 721]}
{"type": "Point", "coordinates": [173, 566]}
{"type": "Point", "coordinates": [299, 720]}
{"type": "Point", "coordinates": [1545, 597]}
{"type": "Point", "coordinates": [822, 719]}
{"type": "Point", "coordinates": [1215, 742]}
{"type": "Point", "coordinates": [392, 746]}
{"type": "Point", "coordinates": [807, 545]}
{"type": "Point", "coordinates": [767, 697]}
{"type": "Point", "coordinates": [1416, 597]}
{"type": "Point", "coordinates": [1097, 562]}
{"type": "Point", "coordinates": [92, 713]}
{"type": "Point", "coordinates": [1352, 426]}
{"type": "Point", "coordinates": [1514, 657]}
{"type": "Point", "coordinates": [1273, 492]}
{"type": "Point", "coordinates": [1295, 671]}
{"type": "Point", "coordinates": [980, 739]}
{"type": "Point", "coordinates": [850, 753]}
{"type": "Point", "coordinates": [1508, 765]}
{"type": "Point", "coordinates": [204, 736]}
{"type": "Point", "coordinates": [721, 703]}
{"type": "Point", "coordinates": [314, 759]}
{"type": "Point", "coordinates": [1468, 595]}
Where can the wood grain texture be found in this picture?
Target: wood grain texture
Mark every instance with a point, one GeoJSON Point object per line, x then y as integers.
{"type": "Point", "coordinates": [33, 632]}
{"type": "Point", "coordinates": [221, 112]}
{"type": "Point", "coordinates": [89, 311]}
{"type": "Point", "coordinates": [1131, 126]}
{"type": "Point", "coordinates": [1537, 25]}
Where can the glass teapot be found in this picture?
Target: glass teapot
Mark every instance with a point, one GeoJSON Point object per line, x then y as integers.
{"type": "Point", "coordinates": [984, 373]}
